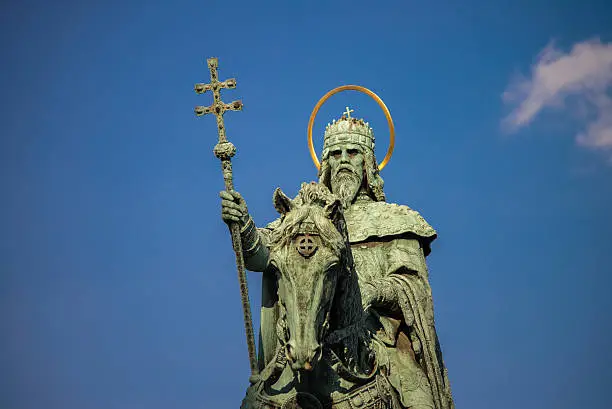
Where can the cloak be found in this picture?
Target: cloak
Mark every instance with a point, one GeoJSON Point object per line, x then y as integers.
{"type": "Point", "coordinates": [389, 244]}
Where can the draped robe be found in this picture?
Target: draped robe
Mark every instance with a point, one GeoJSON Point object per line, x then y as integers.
{"type": "Point", "coordinates": [389, 244]}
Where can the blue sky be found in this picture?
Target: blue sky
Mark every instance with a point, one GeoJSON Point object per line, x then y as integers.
{"type": "Point", "coordinates": [118, 286]}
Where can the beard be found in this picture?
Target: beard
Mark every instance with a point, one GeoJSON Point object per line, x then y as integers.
{"type": "Point", "coordinates": [345, 185]}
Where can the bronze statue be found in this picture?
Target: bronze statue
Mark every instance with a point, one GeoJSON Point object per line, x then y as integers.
{"type": "Point", "coordinates": [347, 314]}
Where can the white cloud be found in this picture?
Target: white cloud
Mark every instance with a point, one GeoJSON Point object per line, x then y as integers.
{"type": "Point", "coordinates": [584, 74]}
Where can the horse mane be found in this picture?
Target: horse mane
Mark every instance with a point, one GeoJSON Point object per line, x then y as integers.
{"type": "Point", "coordinates": [309, 205]}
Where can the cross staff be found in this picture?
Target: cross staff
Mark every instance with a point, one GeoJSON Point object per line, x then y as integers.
{"type": "Point", "coordinates": [225, 150]}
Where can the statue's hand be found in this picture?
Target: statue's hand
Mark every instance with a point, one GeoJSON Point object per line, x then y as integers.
{"type": "Point", "coordinates": [380, 293]}
{"type": "Point", "coordinates": [368, 295]}
{"type": "Point", "coordinates": [233, 208]}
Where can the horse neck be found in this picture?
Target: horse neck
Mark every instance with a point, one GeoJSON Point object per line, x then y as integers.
{"type": "Point", "coordinates": [347, 310]}
{"type": "Point", "coordinates": [347, 323]}
{"type": "Point", "coordinates": [347, 303]}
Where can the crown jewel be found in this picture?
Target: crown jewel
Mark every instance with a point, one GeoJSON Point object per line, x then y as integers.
{"type": "Point", "coordinates": [348, 130]}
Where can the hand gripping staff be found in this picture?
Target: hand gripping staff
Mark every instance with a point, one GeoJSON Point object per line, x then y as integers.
{"type": "Point", "coordinates": [225, 150]}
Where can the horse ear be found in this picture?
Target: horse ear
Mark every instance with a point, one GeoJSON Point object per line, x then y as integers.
{"type": "Point", "coordinates": [282, 203]}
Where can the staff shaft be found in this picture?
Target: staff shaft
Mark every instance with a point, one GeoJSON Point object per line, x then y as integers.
{"type": "Point", "coordinates": [225, 150]}
{"type": "Point", "coordinates": [226, 166]}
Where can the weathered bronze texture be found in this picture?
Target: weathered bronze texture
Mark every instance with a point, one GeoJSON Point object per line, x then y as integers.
{"type": "Point", "coordinates": [347, 318]}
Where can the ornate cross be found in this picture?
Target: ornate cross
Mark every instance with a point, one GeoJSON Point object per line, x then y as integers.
{"type": "Point", "coordinates": [348, 112]}
{"type": "Point", "coordinates": [218, 107]}
{"type": "Point", "coordinates": [225, 150]}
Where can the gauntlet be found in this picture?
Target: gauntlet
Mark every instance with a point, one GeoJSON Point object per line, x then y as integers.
{"type": "Point", "coordinates": [379, 294]}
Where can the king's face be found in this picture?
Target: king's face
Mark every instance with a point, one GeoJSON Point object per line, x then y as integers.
{"type": "Point", "coordinates": [346, 157]}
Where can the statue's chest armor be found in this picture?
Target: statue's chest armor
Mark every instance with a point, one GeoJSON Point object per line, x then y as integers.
{"type": "Point", "coordinates": [370, 259]}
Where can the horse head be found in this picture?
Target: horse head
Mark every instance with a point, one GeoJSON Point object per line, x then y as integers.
{"type": "Point", "coordinates": [317, 285]}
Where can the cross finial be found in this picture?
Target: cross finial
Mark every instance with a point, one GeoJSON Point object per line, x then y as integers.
{"type": "Point", "coordinates": [348, 112]}
{"type": "Point", "coordinates": [218, 107]}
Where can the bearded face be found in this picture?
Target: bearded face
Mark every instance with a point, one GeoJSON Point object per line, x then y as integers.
{"type": "Point", "coordinates": [346, 166]}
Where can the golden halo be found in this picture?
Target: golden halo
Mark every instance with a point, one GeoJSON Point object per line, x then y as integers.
{"type": "Point", "coordinates": [366, 91]}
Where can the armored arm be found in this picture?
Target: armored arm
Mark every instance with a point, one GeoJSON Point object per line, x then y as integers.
{"type": "Point", "coordinates": [380, 294]}
{"type": "Point", "coordinates": [405, 256]}
{"type": "Point", "coordinates": [254, 246]}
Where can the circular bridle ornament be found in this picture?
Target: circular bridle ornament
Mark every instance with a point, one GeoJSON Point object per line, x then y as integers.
{"type": "Point", "coordinates": [366, 91]}
{"type": "Point", "coordinates": [305, 245]}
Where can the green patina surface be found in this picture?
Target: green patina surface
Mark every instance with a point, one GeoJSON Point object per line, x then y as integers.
{"type": "Point", "coordinates": [347, 315]}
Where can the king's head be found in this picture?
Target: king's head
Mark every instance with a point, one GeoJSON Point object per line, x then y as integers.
{"type": "Point", "coordinates": [348, 130]}
{"type": "Point", "coordinates": [348, 164]}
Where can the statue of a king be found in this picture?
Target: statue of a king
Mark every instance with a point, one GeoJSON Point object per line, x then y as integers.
{"type": "Point", "coordinates": [389, 243]}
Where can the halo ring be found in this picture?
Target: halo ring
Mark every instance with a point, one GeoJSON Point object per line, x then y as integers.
{"type": "Point", "coordinates": [371, 94]}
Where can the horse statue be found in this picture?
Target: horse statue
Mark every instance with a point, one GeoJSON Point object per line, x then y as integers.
{"type": "Point", "coordinates": [327, 358]}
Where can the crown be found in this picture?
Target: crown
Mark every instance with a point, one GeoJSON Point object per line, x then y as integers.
{"type": "Point", "coordinates": [348, 130]}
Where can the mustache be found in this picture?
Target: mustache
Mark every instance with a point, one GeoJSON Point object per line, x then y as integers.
{"type": "Point", "coordinates": [345, 168]}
